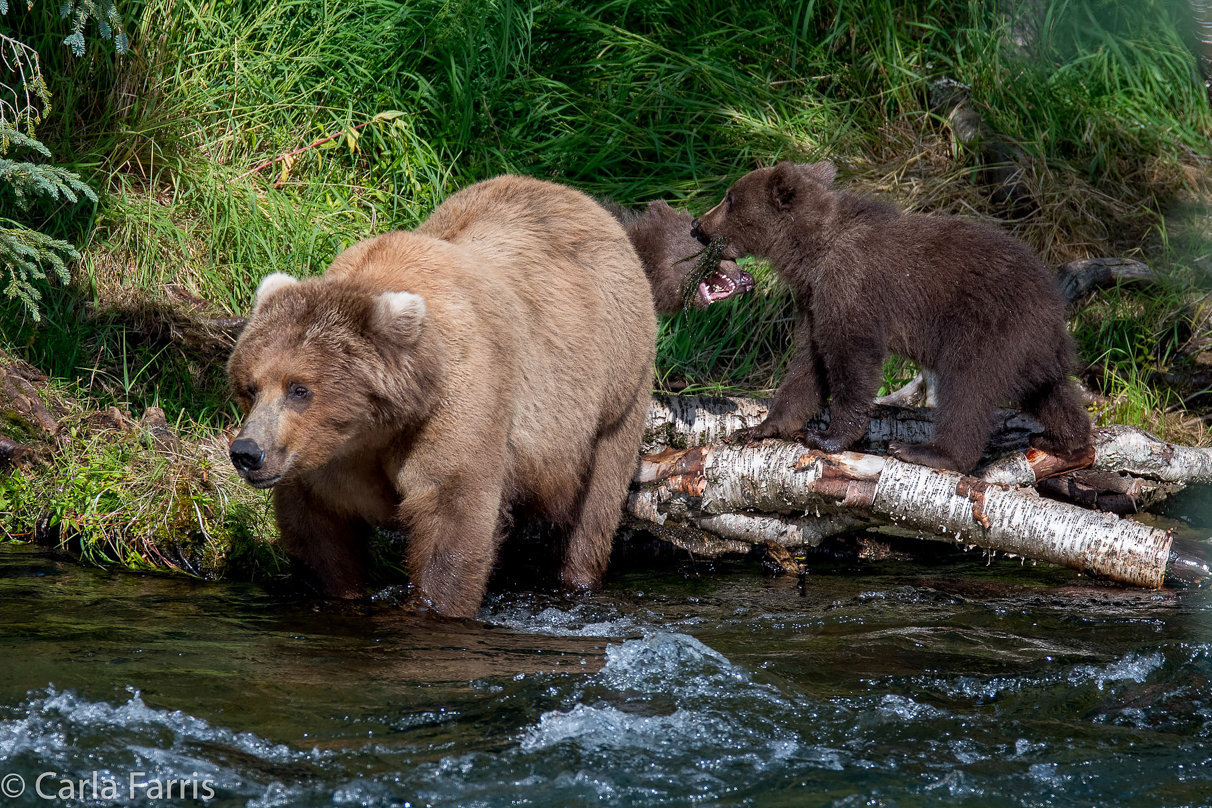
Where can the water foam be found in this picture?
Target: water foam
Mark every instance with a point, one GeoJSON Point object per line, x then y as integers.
{"type": "Point", "coordinates": [74, 736]}
{"type": "Point", "coordinates": [1132, 668]}
{"type": "Point", "coordinates": [682, 698]}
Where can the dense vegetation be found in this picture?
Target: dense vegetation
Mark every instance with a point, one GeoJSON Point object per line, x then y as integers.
{"type": "Point", "coordinates": [235, 139]}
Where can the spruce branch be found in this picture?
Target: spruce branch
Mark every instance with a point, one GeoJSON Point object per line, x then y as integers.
{"type": "Point", "coordinates": [24, 96]}
{"type": "Point", "coordinates": [25, 252]}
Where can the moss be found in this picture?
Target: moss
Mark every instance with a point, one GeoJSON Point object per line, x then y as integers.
{"type": "Point", "coordinates": [115, 496]}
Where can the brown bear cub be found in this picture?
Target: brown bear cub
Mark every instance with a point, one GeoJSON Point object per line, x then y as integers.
{"type": "Point", "coordinates": [661, 237]}
{"type": "Point", "coordinates": [960, 298]}
{"type": "Point", "coordinates": [499, 355]}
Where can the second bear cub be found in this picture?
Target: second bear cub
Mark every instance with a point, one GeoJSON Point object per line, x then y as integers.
{"type": "Point", "coordinates": [959, 297]}
{"type": "Point", "coordinates": [669, 254]}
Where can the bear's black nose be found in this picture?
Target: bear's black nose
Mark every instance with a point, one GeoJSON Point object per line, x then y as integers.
{"type": "Point", "coordinates": [697, 232]}
{"type": "Point", "coordinates": [246, 455]}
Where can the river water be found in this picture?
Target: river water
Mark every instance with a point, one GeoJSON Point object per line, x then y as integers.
{"type": "Point", "coordinates": [872, 684]}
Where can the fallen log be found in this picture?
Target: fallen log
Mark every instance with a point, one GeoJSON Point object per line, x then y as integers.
{"type": "Point", "coordinates": [780, 477]}
{"type": "Point", "coordinates": [18, 392]}
{"type": "Point", "coordinates": [1112, 492]}
{"type": "Point", "coordinates": [781, 492]}
{"type": "Point", "coordinates": [684, 421]}
{"type": "Point", "coordinates": [1078, 278]}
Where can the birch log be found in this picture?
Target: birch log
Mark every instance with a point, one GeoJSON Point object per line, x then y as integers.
{"type": "Point", "coordinates": [781, 477]}
{"type": "Point", "coordinates": [779, 491]}
{"type": "Point", "coordinates": [685, 421]}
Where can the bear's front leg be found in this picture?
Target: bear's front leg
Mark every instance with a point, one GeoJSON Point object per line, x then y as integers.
{"type": "Point", "coordinates": [800, 395]}
{"type": "Point", "coordinates": [453, 533]}
{"type": "Point", "coordinates": [331, 548]}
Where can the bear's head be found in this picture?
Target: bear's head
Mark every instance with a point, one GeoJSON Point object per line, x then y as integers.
{"type": "Point", "coordinates": [670, 255]}
{"type": "Point", "coordinates": [325, 368]}
{"type": "Point", "coordinates": [756, 213]}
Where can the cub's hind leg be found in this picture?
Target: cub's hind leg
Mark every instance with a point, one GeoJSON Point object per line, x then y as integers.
{"type": "Point", "coordinates": [963, 422]}
{"type": "Point", "coordinates": [1058, 407]}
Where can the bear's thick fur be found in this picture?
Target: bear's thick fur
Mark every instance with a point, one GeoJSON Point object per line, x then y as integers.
{"type": "Point", "coordinates": [960, 298]}
{"type": "Point", "coordinates": [669, 253]}
{"type": "Point", "coordinates": [500, 354]}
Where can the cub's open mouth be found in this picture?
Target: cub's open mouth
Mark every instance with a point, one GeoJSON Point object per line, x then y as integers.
{"type": "Point", "coordinates": [723, 283]}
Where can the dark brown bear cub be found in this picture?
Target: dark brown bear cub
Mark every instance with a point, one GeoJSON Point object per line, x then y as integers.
{"type": "Point", "coordinates": [499, 355]}
{"type": "Point", "coordinates": [669, 253]}
{"type": "Point", "coordinates": [960, 298]}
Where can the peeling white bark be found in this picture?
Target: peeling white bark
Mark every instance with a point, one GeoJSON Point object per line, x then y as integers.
{"type": "Point", "coordinates": [684, 421]}
{"type": "Point", "coordinates": [779, 491]}
{"type": "Point", "coordinates": [920, 391]}
{"type": "Point", "coordinates": [784, 478]}
{"type": "Point", "coordinates": [1119, 449]}
{"type": "Point", "coordinates": [1017, 522]}
{"type": "Point", "coordinates": [1126, 448]}
{"type": "Point", "coordinates": [734, 533]}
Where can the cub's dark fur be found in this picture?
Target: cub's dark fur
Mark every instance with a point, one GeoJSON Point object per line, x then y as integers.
{"type": "Point", "coordinates": [959, 297]}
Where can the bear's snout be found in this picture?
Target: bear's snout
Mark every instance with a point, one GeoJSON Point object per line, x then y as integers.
{"type": "Point", "coordinates": [246, 455]}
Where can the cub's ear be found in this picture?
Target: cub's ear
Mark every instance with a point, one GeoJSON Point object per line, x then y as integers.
{"type": "Point", "coordinates": [658, 206]}
{"type": "Point", "coordinates": [822, 172]}
{"type": "Point", "coordinates": [269, 285]}
{"type": "Point", "coordinates": [784, 184]}
{"type": "Point", "coordinates": [399, 315]}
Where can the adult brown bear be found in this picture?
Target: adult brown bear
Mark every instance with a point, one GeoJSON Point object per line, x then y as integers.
{"type": "Point", "coordinates": [959, 297]}
{"type": "Point", "coordinates": [499, 355]}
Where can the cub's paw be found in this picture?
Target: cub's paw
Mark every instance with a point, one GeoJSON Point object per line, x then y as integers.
{"type": "Point", "coordinates": [811, 439]}
{"type": "Point", "coordinates": [923, 454]}
{"type": "Point", "coordinates": [754, 434]}
{"type": "Point", "coordinates": [1082, 455]}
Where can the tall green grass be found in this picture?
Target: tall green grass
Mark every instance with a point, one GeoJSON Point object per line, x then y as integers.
{"type": "Point", "coordinates": [635, 99]}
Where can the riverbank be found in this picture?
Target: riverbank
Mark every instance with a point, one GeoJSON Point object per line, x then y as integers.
{"type": "Point", "coordinates": [233, 141]}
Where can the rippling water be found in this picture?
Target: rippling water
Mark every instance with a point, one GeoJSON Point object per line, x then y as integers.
{"type": "Point", "coordinates": [887, 685]}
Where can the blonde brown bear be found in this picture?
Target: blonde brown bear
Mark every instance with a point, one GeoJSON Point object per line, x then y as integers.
{"type": "Point", "coordinates": [499, 355]}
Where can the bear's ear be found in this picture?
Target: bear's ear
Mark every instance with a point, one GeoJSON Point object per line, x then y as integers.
{"type": "Point", "coordinates": [658, 206]}
{"type": "Point", "coordinates": [399, 315]}
{"type": "Point", "coordinates": [822, 172]}
{"type": "Point", "coordinates": [271, 284]}
{"type": "Point", "coordinates": [784, 184]}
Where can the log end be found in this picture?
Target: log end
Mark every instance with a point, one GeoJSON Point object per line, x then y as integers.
{"type": "Point", "coordinates": [1186, 567]}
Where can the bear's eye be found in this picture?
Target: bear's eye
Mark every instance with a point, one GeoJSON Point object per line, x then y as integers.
{"type": "Point", "coordinates": [728, 199]}
{"type": "Point", "coordinates": [251, 389]}
{"type": "Point", "coordinates": [298, 392]}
